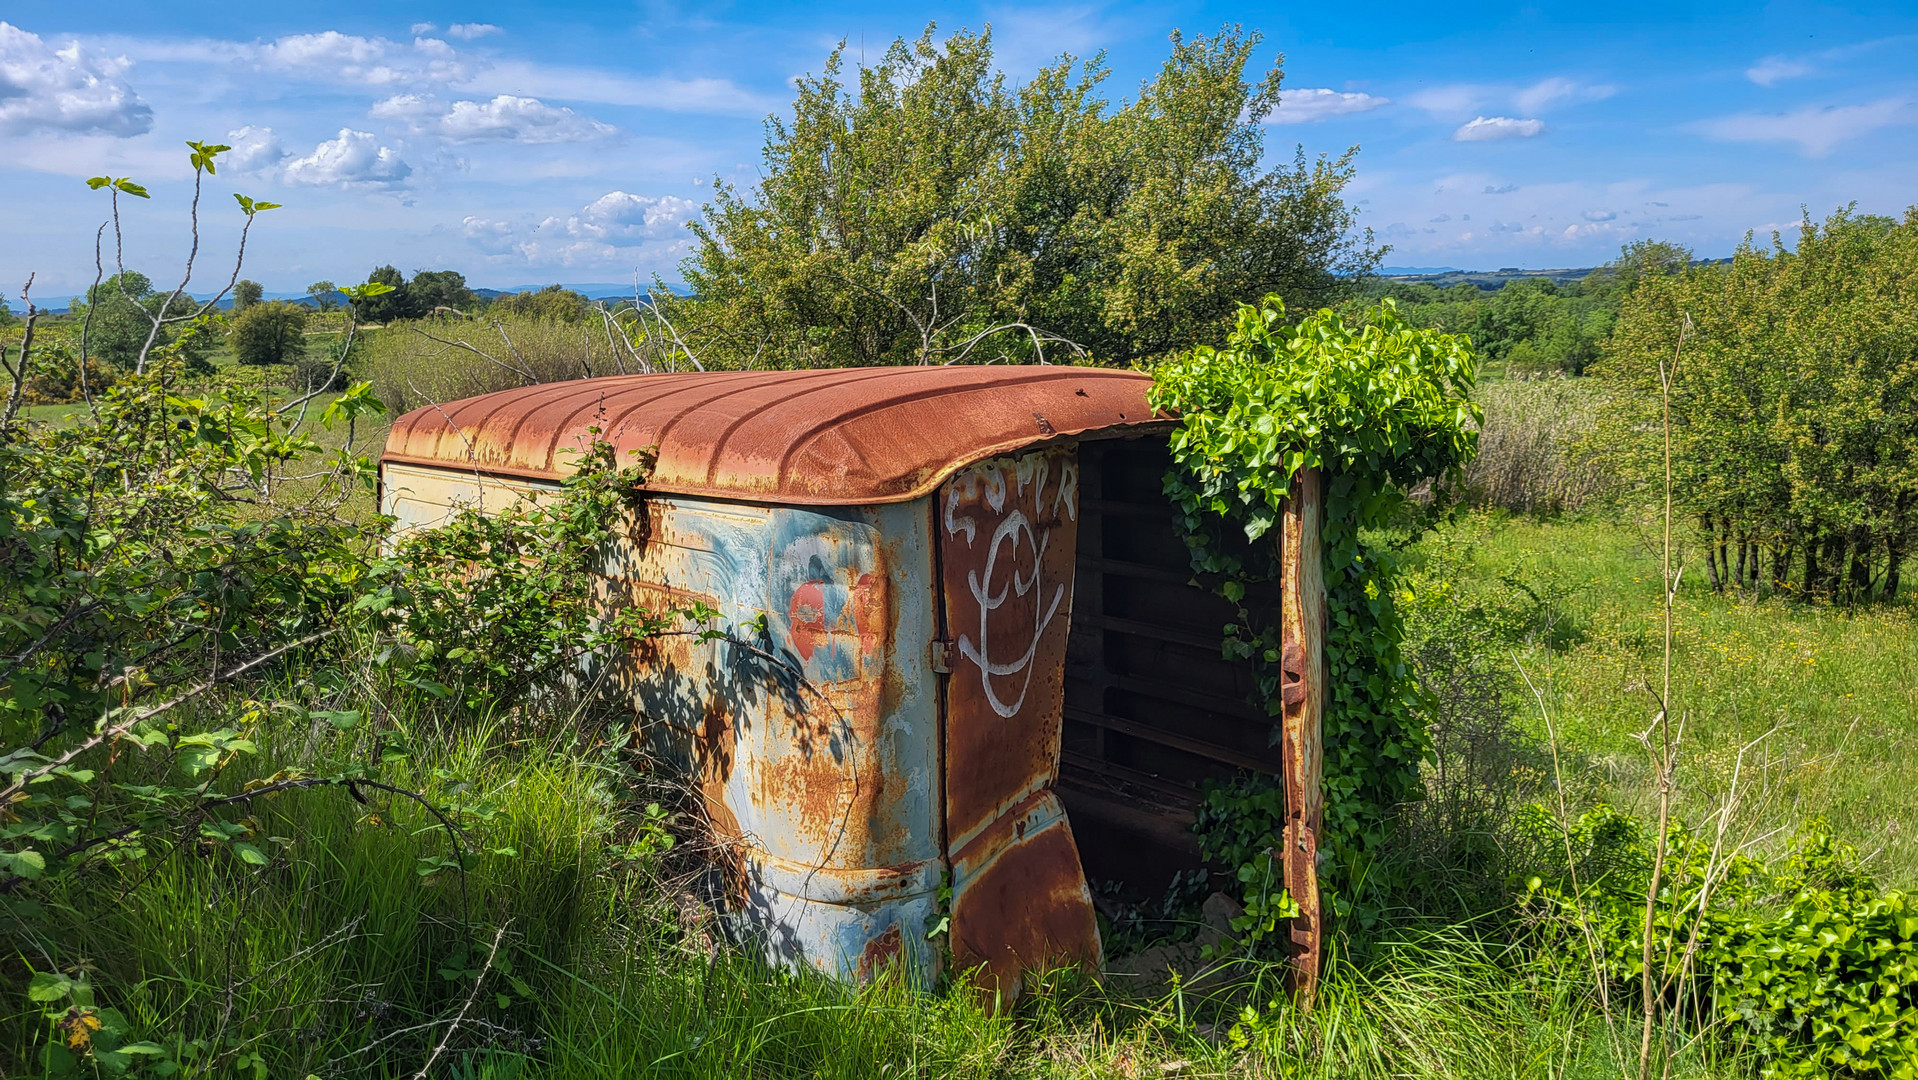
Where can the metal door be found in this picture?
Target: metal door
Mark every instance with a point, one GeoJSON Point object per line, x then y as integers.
{"type": "Point", "coordinates": [1007, 532]}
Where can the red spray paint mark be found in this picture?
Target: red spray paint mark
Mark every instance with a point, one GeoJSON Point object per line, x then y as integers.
{"type": "Point", "coordinates": [807, 613]}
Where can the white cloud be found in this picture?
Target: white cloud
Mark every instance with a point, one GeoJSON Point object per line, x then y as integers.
{"type": "Point", "coordinates": [1773, 70]}
{"type": "Point", "coordinates": [47, 89]}
{"type": "Point", "coordinates": [506, 118]}
{"type": "Point", "coordinates": [1502, 189]}
{"type": "Point", "coordinates": [624, 219]}
{"type": "Point", "coordinates": [1498, 127]}
{"type": "Point", "coordinates": [419, 28]}
{"type": "Point", "coordinates": [1599, 215]}
{"type": "Point", "coordinates": [254, 148]}
{"type": "Point", "coordinates": [349, 58]}
{"type": "Point", "coordinates": [471, 30]}
{"type": "Point", "coordinates": [1816, 130]}
{"type": "Point", "coordinates": [355, 159]}
{"type": "Point", "coordinates": [1544, 94]}
{"type": "Point", "coordinates": [1306, 106]}
{"type": "Point", "coordinates": [604, 232]}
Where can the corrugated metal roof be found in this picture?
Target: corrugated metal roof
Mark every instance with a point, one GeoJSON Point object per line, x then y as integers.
{"type": "Point", "coordinates": [847, 437]}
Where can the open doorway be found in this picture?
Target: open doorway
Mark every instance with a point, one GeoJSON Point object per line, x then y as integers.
{"type": "Point", "coordinates": [1152, 708]}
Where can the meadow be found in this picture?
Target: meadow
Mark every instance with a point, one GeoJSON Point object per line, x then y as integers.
{"type": "Point", "coordinates": [347, 953]}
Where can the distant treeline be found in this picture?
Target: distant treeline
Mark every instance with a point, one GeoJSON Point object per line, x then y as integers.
{"type": "Point", "coordinates": [1535, 325]}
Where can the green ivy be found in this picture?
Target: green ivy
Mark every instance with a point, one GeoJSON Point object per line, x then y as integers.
{"type": "Point", "coordinates": [1803, 960]}
{"type": "Point", "coordinates": [1379, 407]}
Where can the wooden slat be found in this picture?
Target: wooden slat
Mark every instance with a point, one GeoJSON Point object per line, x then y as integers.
{"type": "Point", "coordinates": [1211, 751]}
{"type": "Point", "coordinates": [1147, 630]}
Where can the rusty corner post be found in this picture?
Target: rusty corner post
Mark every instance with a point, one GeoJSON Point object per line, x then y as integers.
{"type": "Point", "coordinates": [1302, 695]}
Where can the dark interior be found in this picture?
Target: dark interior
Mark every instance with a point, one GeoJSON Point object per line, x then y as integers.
{"type": "Point", "coordinates": [1151, 707]}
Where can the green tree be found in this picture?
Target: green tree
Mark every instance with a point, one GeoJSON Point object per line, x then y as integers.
{"type": "Point", "coordinates": [390, 306]}
{"type": "Point", "coordinates": [932, 214]}
{"type": "Point", "coordinates": [433, 289]}
{"type": "Point", "coordinates": [325, 294]}
{"type": "Point", "coordinates": [552, 302]}
{"type": "Point", "coordinates": [246, 294]}
{"type": "Point", "coordinates": [1794, 403]}
{"type": "Point", "coordinates": [270, 332]}
{"type": "Point", "coordinates": [118, 315]}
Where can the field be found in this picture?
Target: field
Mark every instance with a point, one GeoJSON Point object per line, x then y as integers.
{"type": "Point", "coordinates": [1826, 695]}
{"type": "Point", "coordinates": [346, 954]}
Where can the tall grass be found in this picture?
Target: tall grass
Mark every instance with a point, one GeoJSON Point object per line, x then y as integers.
{"type": "Point", "coordinates": [1836, 687]}
{"type": "Point", "coordinates": [430, 361]}
{"type": "Point", "coordinates": [1526, 460]}
{"type": "Point", "coordinates": [340, 959]}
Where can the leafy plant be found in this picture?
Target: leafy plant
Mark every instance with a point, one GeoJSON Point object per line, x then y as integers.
{"type": "Point", "coordinates": [1803, 959]}
{"type": "Point", "coordinates": [1379, 407]}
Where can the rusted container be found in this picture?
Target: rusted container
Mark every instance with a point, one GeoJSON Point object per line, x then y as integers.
{"type": "Point", "coordinates": [963, 649]}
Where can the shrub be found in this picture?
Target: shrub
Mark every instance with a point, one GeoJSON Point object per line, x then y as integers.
{"type": "Point", "coordinates": [270, 332]}
{"type": "Point", "coordinates": [1801, 959]}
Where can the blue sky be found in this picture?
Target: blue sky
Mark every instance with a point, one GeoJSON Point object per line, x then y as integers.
{"type": "Point", "coordinates": [570, 142]}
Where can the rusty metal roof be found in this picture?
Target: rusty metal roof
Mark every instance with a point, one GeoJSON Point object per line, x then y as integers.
{"type": "Point", "coordinates": [847, 437]}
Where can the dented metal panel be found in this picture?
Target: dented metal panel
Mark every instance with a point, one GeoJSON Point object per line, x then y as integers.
{"type": "Point", "coordinates": [812, 731]}
{"type": "Point", "coordinates": [1007, 530]}
{"type": "Point", "coordinates": [839, 437]}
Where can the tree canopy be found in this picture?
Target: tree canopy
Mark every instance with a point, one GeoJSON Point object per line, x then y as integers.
{"type": "Point", "coordinates": [270, 332]}
{"type": "Point", "coordinates": [1794, 403]}
{"type": "Point", "coordinates": [935, 213]}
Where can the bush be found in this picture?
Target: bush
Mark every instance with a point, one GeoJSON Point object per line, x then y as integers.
{"type": "Point", "coordinates": [1801, 960]}
{"type": "Point", "coordinates": [271, 332]}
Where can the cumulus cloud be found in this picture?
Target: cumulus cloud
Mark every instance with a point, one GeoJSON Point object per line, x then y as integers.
{"type": "Point", "coordinates": [1306, 106]}
{"type": "Point", "coordinates": [471, 30]}
{"type": "Point", "coordinates": [623, 219]}
{"type": "Point", "coordinates": [254, 149]}
{"type": "Point", "coordinates": [603, 232]}
{"type": "Point", "coordinates": [1816, 130]}
{"type": "Point", "coordinates": [419, 28]}
{"type": "Point", "coordinates": [355, 159]}
{"type": "Point", "coordinates": [1498, 127]}
{"type": "Point", "coordinates": [48, 89]}
{"type": "Point", "coordinates": [506, 118]}
{"type": "Point", "coordinates": [1599, 215]}
{"type": "Point", "coordinates": [1773, 70]}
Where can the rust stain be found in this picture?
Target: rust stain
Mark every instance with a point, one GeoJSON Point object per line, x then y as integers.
{"type": "Point", "coordinates": [1026, 909]}
{"type": "Point", "coordinates": [1008, 529]}
{"type": "Point", "coordinates": [1008, 533]}
{"type": "Point", "coordinates": [841, 437]}
{"type": "Point", "coordinates": [880, 953]}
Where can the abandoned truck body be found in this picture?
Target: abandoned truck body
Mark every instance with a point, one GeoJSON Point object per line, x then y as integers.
{"type": "Point", "coordinates": [962, 648]}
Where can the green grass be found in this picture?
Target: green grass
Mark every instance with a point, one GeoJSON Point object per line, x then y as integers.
{"type": "Point", "coordinates": [1832, 693]}
{"type": "Point", "coordinates": [330, 961]}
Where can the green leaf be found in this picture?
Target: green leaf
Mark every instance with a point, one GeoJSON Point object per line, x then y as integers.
{"type": "Point", "coordinates": [48, 986]}
{"type": "Point", "coordinates": [250, 854]}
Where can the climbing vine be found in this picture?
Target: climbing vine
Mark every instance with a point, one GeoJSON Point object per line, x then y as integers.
{"type": "Point", "coordinates": [1379, 407]}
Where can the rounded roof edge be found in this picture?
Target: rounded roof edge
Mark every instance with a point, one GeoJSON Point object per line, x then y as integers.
{"type": "Point", "coordinates": [834, 437]}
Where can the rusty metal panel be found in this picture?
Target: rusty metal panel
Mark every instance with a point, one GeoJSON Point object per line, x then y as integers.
{"type": "Point", "coordinates": [1302, 698]}
{"type": "Point", "coordinates": [815, 739]}
{"type": "Point", "coordinates": [1007, 530]}
{"type": "Point", "coordinates": [836, 437]}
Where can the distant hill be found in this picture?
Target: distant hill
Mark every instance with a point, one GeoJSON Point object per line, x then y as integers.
{"type": "Point", "coordinates": [1489, 280]}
